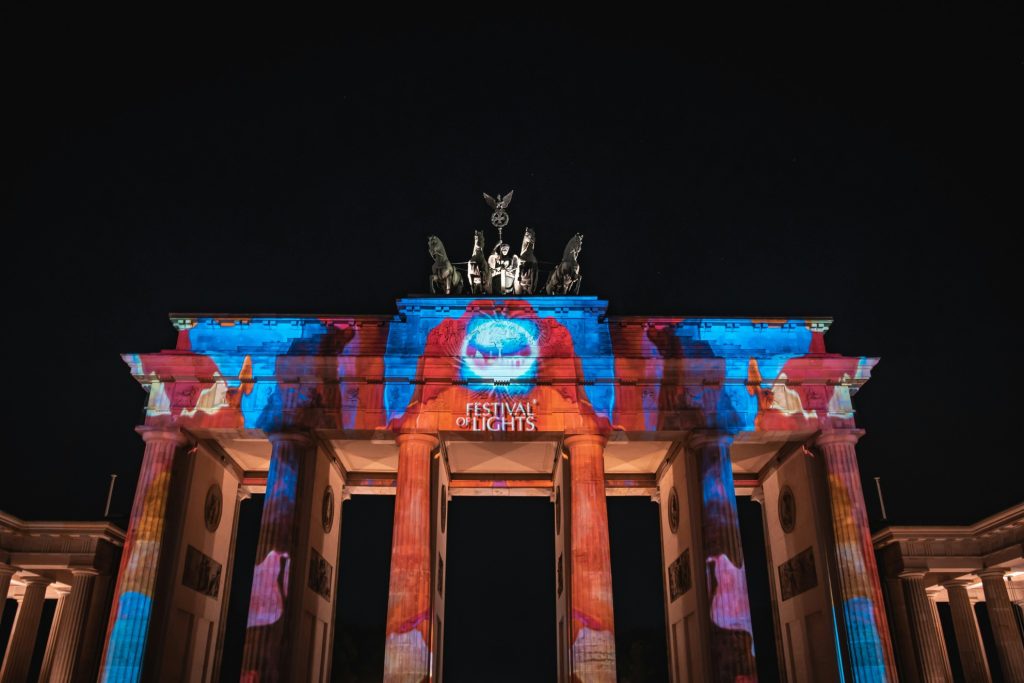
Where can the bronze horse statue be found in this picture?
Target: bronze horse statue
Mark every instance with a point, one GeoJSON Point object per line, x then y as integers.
{"type": "Point", "coordinates": [529, 269]}
{"type": "Point", "coordinates": [565, 278]}
{"type": "Point", "coordinates": [477, 271]}
{"type": "Point", "coordinates": [444, 278]}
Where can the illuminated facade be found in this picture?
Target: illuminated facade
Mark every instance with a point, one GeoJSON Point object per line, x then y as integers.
{"type": "Point", "coordinates": [533, 396]}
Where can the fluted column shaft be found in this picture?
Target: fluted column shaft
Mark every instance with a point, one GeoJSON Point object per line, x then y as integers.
{"type": "Point", "coordinates": [268, 634]}
{"type": "Point", "coordinates": [407, 647]}
{"type": "Point", "coordinates": [51, 640]}
{"type": "Point", "coordinates": [868, 645]}
{"type": "Point", "coordinates": [732, 633]}
{"type": "Point", "coordinates": [71, 627]}
{"type": "Point", "coordinates": [928, 645]}
{"type": "Point", "coordinates": [593, 621]}
{"type": "Point", "coordinates": [968, 637]}
{"type": "Point", "coordinates": [1004, 625]}
{"type": "Point", "coordinates": [23, 635]}
{"type": "Point", "coordinates": [6, 572]}
{"type": "Point", "coordinates": [132, 607]}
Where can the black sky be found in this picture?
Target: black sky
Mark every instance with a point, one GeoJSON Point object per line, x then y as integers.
{"type": "Point", "coordinates": [862, 167]}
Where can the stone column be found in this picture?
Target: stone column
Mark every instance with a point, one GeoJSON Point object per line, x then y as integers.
{"type": "Point", "coordinates": [132, 606]}
{"type": "Point", "coordinates": [933, 601]}
{"type": "Point", "coordinates": [51, 640]}
{"type": "Point", "coordinates": [407, 648]}
{"type": "Point", "coordinates": [867, 647]}
{"type": "Point", "coordinates": [968, 637]}
{"type": "Point", "coordinates": [6, 572]}
{"type": "Point", "coordinates": [593, 623]}
{"type": "Point", "coordinates": [928, 646]}
{"type": "Point", "coordinates": [275, 586]}
{"type": "Point", "coordinates": [1004, 624]}
{"type": "Point", "coordinates": [731, 634]}
{"type": "Point", "coordinates": [70, 628]}
{"type": "Point", "coordinates": [24, 632]}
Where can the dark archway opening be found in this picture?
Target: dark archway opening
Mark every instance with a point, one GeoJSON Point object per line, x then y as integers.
{"type": "Point", "coordinates": [500, 588]}
{"type": "Point", "coordinates": [759, 589]}
{"type": "Point", "coordinates": [361, 613]}
{"type": "Point", "coordinates": [640, 655]}
{"type": "Point", "coordinates": [247, 536]}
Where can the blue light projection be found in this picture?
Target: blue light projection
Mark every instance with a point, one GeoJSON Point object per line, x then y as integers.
{"type": "Point", "coordinates": [500, 349]}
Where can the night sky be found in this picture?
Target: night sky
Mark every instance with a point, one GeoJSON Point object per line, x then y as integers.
{"type": "Point", "coordinates": [867, 168]}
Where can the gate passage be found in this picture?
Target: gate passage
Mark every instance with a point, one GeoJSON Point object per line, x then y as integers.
{"type": "Point", "coordinates": [497, 395]}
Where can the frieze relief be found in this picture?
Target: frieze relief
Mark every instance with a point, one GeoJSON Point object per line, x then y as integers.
{"type": "Point", "coordinates": [798, 574]}
{"type": "Point", "coordinates": [202, 572]}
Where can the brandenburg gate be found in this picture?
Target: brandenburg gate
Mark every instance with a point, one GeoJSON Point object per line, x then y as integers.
{"type": "Point", "coordinates": [468, 396]}
{"type": "Point", "coordinates": [498, 392]}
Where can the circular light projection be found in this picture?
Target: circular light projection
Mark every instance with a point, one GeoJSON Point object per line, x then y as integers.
{"type": "Point", "coordinates": [500, 349]}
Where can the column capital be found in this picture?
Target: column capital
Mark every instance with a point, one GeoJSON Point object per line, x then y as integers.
{"type": "Point", "coordinates": [956, 583]}
{"type": "Point", "coordinates": [426, 438]}
{"type": "Point", "coordinates": [912, 573]}
{"type": "Point", "coordinates": [82, 570]}
{"type": "Point", "coordinates": [7, 569]}
{"type": "Point", "coordinates": [991, 573]}
{"type": "Point", "coordinates": [757, 495]}
{"type": "Point", "coordinates": [299, 437]}
{"type": "Point", "coordinates": [699, 438]}
{"type": "Point", "coordinates": [33, 580]}
{"type": "Point", "coordinates": [62, 589]}
{"type": "Point", "coordinates": [571, 440]}
{"type": "Point", "coordinates": [834, 436]}
{"type": "Point", "coordinates": [172, 434]}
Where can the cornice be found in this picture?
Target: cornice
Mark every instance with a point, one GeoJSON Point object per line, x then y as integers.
{"type": "Point", "coordinates": [9, 524]}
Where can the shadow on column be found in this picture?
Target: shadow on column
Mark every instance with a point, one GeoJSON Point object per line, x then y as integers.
{"type": "Point", "coordinates": [500, 608]}
{"type": "Point", "coordinates": [640, 655]}
{"type": "Point", "coordinates": [362, 590]}
{"type": "Point", "coordinates": [758, 588]}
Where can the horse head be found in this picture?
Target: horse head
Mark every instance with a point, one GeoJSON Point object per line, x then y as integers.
{"type": "Point", "coordinates": [436, 249]}
{"type": "Point", "coordinates": [573, 248]}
